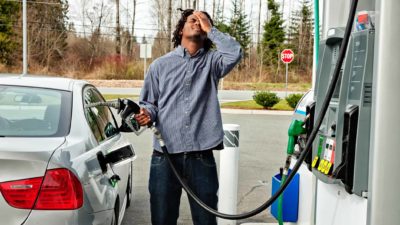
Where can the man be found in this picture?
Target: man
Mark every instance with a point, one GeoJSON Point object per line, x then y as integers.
{"type": "Point", "coordinates": [180, 96]}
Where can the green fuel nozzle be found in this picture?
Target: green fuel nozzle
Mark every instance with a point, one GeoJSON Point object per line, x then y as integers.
{"type": "Point", "coordinates": [295, 129]}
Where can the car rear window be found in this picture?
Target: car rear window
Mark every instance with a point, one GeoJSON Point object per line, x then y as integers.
{"type": "Point", "coordinates": [34, 112]}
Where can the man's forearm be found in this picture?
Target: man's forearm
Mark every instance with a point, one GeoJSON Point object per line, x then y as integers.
{"type": "Point", "coordinates": [226, 45]}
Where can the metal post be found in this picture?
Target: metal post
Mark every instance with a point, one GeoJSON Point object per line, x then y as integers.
{"type": "Point", "coordinates": [287, 65]}
{"type": "Point", "coordinates": [228, 173]}
{"type": "Point", "coordinates": [145, 61]}
{"type": "Point", "coordinates": [316, 42]}
{"type": "Point", "coordinates": [384, 180]}
{"type": "Point", "coordinates": [261, 63]}
{"type": "Point", "coordinates": [25, 40]}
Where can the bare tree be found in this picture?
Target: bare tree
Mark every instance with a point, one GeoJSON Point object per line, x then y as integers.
{"type": "Point", "coordinates": [118, 30]}
{"type": "Point", "coordinates": [213, 12]}
{"type": "Point", "coordinates": [194, 4]}
{"type": "Point", "coordinates": [169, 23]}
{"type": "Point", "coordinates": [259, 22]}
{"type": "Point", "coordinates": [130, 46]}
{"type": "Point", "coordinates": [97, 16]}
{"type": "Point", "coordinates": [83, 7]}
{"type": "Point", "coordinates": [258, 40]}
{"type": "Point", "coordinates": [165, 21]}
{"type": "Point", "coordinates": [223, 6]}
{"type": "Point", "coordinates": [47, 33]}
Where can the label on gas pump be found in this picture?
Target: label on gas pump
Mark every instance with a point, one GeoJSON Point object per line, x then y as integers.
{"type": "Point", "coordinates": [326, 163]}
{"type": "Point", "coordinates": [329, 153]}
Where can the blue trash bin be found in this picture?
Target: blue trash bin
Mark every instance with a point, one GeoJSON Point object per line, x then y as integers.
{"type": "Point", "coordinates": [290, 203]}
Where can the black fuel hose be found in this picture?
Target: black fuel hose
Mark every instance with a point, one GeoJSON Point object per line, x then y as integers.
{"type": "Point", "coordinates": [310, 140]}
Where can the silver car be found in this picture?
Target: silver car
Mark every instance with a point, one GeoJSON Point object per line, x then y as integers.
{"type": "Point", "coordinates": [60, 162]}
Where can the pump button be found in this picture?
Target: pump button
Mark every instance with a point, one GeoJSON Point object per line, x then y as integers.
{"type": "Point", "coordinates": [315, 162]}
{"type": "Point", "coordinates": [328, 168]}
{"type": "Point", "coordinates": [321, 165]}
{"type": "Point", "coordinates": [324, 166]}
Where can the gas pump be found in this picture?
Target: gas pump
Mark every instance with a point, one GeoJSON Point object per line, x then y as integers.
{"type": "Point", "coordinates": [341, 153]}
{"type": "Point", "coordinates": [341, 162]}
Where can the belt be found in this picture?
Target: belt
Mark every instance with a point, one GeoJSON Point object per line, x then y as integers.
{"type": "Point", "coordinates": [220, 146]}
{"type": "Point", "coordinates": [191, 153]}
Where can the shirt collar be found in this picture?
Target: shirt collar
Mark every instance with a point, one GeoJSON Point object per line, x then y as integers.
{"type": "Point", "coordinates": [184, 52]}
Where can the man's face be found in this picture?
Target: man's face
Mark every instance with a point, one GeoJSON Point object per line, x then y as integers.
{"type": "Point", "coordinates": [192, 29]}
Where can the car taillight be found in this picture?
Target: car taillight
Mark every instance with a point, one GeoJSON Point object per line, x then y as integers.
{"type": "Point", "coordinates": [60, 190]}
{"type": "Point", "coordinates": [21, 194]}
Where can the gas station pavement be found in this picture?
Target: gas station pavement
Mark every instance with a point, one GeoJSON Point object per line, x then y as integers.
{"type": "Point", "coordinates": [262, 146]}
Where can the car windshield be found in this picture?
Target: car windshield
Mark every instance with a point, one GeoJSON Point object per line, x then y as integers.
{"type": "Point", "coordinates": [34, 112]}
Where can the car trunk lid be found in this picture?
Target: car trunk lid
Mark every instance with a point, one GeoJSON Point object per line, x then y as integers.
{"type": "Point", "coordinates": [22, 159]}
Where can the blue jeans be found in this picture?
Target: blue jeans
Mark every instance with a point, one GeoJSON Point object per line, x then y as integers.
{"type": "Point", "coordinates": [199, 171]}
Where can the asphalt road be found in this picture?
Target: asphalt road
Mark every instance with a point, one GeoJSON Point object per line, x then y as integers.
{"type": "Point", "coordinates": [263, 140]}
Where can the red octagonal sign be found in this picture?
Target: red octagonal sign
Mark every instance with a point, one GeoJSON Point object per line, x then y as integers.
{"type": "Point", "coordinates": [287, 56]}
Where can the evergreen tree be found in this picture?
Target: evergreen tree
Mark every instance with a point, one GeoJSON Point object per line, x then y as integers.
{"type": "Point", "coordinates": [239, 27]}
{"type": "Point", "coordinates": [220, 23]}
{"type": "Point", "coordinates": [273, 36]}
{"type": "Point", "coordinates": [300, 37]}
{"type": "Point", "coordinates": [9, 12]}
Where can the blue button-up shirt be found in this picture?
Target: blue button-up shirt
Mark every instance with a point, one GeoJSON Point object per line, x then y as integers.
{"type": "Point", "coordinates": [181, 94]}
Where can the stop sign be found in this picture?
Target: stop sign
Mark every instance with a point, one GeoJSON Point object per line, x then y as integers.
{"type": "Point", "coordinates": [287, 56]}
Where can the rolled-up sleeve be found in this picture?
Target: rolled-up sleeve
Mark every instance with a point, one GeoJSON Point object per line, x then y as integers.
{"type": "Point", "coordinates": [228, 54]}
{"type": "Point", "coordinates": [150, 93]}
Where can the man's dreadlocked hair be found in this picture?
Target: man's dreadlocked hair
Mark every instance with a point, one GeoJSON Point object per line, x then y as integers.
{"type": "Point", "coordinates": [178, 37]}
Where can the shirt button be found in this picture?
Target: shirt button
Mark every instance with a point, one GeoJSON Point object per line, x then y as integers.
{"type": "Point", "coordinates": [187, 126]}
{"type": "Point", "coordinates": [185, 112]}
{"type": "Point", "coordinates": [186, 99]}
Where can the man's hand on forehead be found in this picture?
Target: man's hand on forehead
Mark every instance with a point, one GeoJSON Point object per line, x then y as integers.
{"type": "Point", "coordinates": [205, 23]}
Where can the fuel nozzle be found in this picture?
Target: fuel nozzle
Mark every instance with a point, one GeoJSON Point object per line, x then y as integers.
{"type": "Point", "coordinates": [127, 109]}
{"type": "Point", "coordinates": [127, 113]}
{"type": "Point", "coordinates": [295, 129]}
{"type": "Point", "coordinates": [116, 104]}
